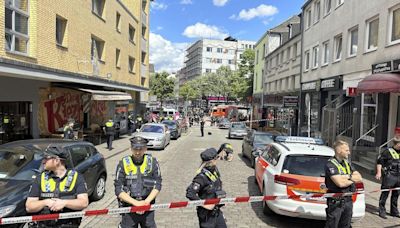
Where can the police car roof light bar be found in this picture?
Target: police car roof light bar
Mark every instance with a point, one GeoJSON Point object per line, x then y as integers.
{"type": "Point", "coordinates": [297, 139]}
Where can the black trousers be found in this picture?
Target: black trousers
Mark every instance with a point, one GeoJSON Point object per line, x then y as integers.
{"type": "Point", "coordinates": [339, 213]}
{"type": "Point", "coordinates": [110, 139]}
{"type": "Point", "coordinates": [389, 181]}
{"type": "Point", "coordinates": [211, 219]}
{"type": "Point", "coordinates": [134, 220]}
{"type": "Point", "coordinates": [202, 131]}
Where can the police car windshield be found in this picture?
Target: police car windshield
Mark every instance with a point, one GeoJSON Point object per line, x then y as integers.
{"type": "Point", "coordinates": [306, 165]}
{"type": "Point", "coordinates": [18, 163]}
{"type": "Point", "coordinates": [152, 128]}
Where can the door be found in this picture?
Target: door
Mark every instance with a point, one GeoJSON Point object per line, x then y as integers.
{"type": "Point", "coordinates": [261, 166]}
{"type": "Point", "coordinates": [369, 111]}
{"type": "Point", "coordinates": [394, 116]}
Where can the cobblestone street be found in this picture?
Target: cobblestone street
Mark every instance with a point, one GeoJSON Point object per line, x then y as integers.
{"type": "Point", "coordinates": [179, 162]}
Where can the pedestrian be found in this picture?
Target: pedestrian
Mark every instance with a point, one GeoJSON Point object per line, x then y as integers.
{"type": "Point", "coordinates": [225, 152]}
{"type": "Point", "coordinates": [139, 121]}
{"type": "Point", "coordinates": [69, 130]}
{"type": "Point", "coordinates": [389, 162]}
{"type": "Point", "coordinates": [109, 130]}
{"type": "Point", "coordinates": [340, 177]}
{"type": "Point", "coordinates": [57, 189]}
{"type": "Point", "coordinates": [132, 124]}
{"type": "Point", "coordinates": [207, 184]}
{"type": "Point", "coordinates": [202, 122]}
{"type": "Point", "coordinates": [137, 183]}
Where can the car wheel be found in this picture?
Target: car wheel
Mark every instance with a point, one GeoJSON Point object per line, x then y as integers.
{"type": "Point", "coordinates": [266, 209]}
{"type": "Point", "coordinates": [164, 144]}
{"type": "Point", "coordinates": [99, 188]}
{"type": "Point", "coordinates": [243, 155]}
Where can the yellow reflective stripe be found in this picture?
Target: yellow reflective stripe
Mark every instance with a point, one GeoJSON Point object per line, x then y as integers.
{"type": "Point", "coordinates": [64, 182]}
{"type": "Point", "coordinates": [131, 168]}
{"type": "Point", "coordinates": [51, 183]}
{"type": "Point", "coordinates": [213, 177]}
{"type": "Point", "coordinates": [394, 153]}
{"type": "Point", "coordinates": [340, 167]}
{"type": "Point", "coordinates": [109, 124]}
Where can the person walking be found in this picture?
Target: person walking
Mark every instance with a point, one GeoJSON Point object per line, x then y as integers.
{"type": "Point", "coordinates": [202, 122]}
{"type": "Point", "coordinates": [69, 130]}
{"type": "Point", "coordinates": [389, 162]}
{"type": "Point", "coordinates": [137, 183]}
{"type": "Point", "coordinates": [109, 130]}
{"type": "Point", "coordinates": [340, 177]}
{"type": "Point", "coordinates": [207, 184]}
{"type": "Point", "coordinates": [57, 189]}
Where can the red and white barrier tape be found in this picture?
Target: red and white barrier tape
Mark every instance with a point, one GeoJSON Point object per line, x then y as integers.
{"type": "Point", "coordinates": [183, 204]}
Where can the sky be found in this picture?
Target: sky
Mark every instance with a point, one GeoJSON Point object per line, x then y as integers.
{"type": "Point", "coordinates": [176, 24]}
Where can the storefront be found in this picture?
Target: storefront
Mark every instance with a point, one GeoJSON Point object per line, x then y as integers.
{"type": "Point", "coordinates": [281, 113]}
{"type": "Point", "coordinates": [310, 115]}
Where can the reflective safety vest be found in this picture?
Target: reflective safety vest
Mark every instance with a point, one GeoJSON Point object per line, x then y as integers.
{"type": "Point", "coordinates": [109, 124]}
{"type": "Point", "coordinates": [131, 169]}
{"type": "Point", "coordinates": [51, 189]}
{"type": "Point", "coordinates": [394, 153]}
{"type": "Point", "coordinates": [211, 176]}
{"type": "Point", "coordinates": [341, 169]}
{"type": "Point", "coordinates": [139, 183]}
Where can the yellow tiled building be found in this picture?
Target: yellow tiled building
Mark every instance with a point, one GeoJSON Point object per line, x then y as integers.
{"type": "Point", "coordinates": [64, 59]}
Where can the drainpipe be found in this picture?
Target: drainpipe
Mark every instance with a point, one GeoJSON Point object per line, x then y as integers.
{"type": "Point", "coordinates": [299, 115]}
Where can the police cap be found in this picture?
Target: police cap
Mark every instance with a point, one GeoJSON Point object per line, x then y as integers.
{"type": "Point", "coordinates": [53, 152]}
{"type": "Point", "coordinates": [227, 147]}
{"type": "Point", "coordinates": [209, 154]}
{"type": "Point", "coordinates": [138, 142]}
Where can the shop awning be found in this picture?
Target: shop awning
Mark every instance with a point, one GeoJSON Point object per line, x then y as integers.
{"type": "Point", "coordinates": [101, 95]}
{"type": "Point", "coordinates": [380, 83]}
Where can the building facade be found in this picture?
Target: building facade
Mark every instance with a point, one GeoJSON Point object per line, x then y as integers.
{"type": "Point", "coordinates": [59, 60]}
{"type": "Point", "coordinates": [344, 46]}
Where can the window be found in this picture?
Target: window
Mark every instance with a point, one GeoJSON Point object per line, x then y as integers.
{"type": "Point", "coordinates": [61, 26]}
{"type": "Point", "coordinates": [118, 22]}
{"type": "Point", "coordinates": [79, 154]}
{"type": "Point", "coordinates": [257, 56]}
{"type": "Point", "coordinates": [209, 49]}
{"type": "Point", "coordinates": [208, 70]}
{"type": "Point", "coordinates": [143, 57]}
{"type": "Point", "coordinates": [117, 55]}
{"type": "Point", "coordinates": [144, 29]}
{"type": "Point", "coordinates": [307, 60]}
{"type": "Point", "coordinates": [273, 156]}
{"type": "Point", "coordinates": [372, 34]}
{"type": "Point", "coordinates": [131, 33]}
{"type": "Point", "coordinates": [308, 17]}
{"type": "Point", "coordinates": [219, 50]}
{"type": "Point", "coordinates": [394, 26]}
{"type": "Point", "coordinates": [294, 51]}
{"type": "Point", "coordinates": [282, 54]}
{"type": "Point", "coordinates": [317, 11]}
{"type": "Point", "coordinates": [325, 54]}
{"type": "Point", "coordinates": [131, 64]}
{"type": "Point", "coordinates": [230, 61]}
{"type": "Point", "coordinates": [338, 47]}
{"type": "Point", "coordinates": [288, 54]}
{"type": "Point", "coordinates": [264, 54]}
{"type": "Point", "coordinates": [97, 49]}
{"type": "Point", "coordinates": [353, 41]}
{"type": "Point", "coordinates": [307, 165]}
{"type": "Point", "coordinates": [219, 60]}
{"type": "Point", "coordinates": [328, 6]}
{"type": "Point", "coordinates": [98, 7]}
{"type": "Point", "coordinates": [315, 52]}
{"type": "Point", "coordinates": [16, 26]}
{"type": "Point", "coordinates": [277, 60]}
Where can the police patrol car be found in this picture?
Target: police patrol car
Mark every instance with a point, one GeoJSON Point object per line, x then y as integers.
{"type": "Point", "coordinates": [296, 166]}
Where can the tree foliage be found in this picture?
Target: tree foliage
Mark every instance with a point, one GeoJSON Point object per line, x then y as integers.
{"type": "Point", "coordinates": [246, 70]}
{"type": "Point", "coordinates": [161, 86]}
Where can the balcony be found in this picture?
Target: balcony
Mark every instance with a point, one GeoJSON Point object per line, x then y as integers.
{"type": "Point", "coordinates": [143, 70]}
{"type": "Point", "coordinates": [143, 44]}
{"type": "Point", "coordinates": [144, 18]}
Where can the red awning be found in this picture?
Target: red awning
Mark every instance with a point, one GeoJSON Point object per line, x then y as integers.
{"type": "Point", "coordinates": [380, 83]}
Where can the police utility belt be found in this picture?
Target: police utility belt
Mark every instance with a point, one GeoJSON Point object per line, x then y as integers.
{"type": "Point", "coordinates": [138, 181]}
{"type": "Point", "coordinates": [394, 167]}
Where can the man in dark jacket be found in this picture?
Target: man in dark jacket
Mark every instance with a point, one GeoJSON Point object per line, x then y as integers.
{"type": "Point", "coordinates": [110, 132]}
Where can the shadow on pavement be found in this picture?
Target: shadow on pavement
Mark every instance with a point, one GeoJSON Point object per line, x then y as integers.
{"type": "Point", "coordinates": [278, 220]}
{"type": "Point", "coordinates": [245, 160]}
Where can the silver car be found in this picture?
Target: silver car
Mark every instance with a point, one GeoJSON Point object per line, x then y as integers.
{"type": "Point", "coordinates": [158, 135]}
{"type": "Point", "coordinates": [237, 130]}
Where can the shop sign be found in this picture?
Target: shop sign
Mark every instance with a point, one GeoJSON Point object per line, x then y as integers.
{"type": "Point", "coordinates": [382, 67]}
{"type": "Point", "coordinates": [396, 65]}
{"type": "Point", "coordinates": [351, 91]}
{"type": "Point", "coordinates": [309, 86]}
{"type": "Point", "coordinates": [290, 101]}
{"type": "Point", "coordinates": [330, 84]}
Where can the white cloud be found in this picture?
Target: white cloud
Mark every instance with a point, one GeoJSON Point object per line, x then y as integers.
{"type": "Point", "coordinates": [220, 2]}
{"type": "Point", "coordinates": [267, 21]}
{"type": "Point", "coordinates": [158, 5]}
{"type": "Point", "coordinates": [159, 28]}
{"type": "Point", "coordinates": [261, 11]}
{"type": "Point", "coordinates": [165, 55]}
{"type": "Point", "coordinates": [200, 30]}
{"type": "Point", "coordinates": [186, 2]}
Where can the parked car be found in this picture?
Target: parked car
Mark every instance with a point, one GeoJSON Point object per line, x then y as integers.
{"type": "Point", "coordinates": [174, 128]}
{"type": "Point", "coordinates": [237, 130]}
{"type": "Point", "coordinates": [224, 123]}
{"type": "Point", "coordinates": [21, 163]}
{"type": "Point", "coordinates": [296, 166]}
{"type": "Point", "coordinates": [254, 140]}
{"type": "Point", "coordinates": [157, 134]}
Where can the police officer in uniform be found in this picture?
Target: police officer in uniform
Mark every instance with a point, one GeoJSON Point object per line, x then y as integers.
{"type": "Point", "coordinates": [202, 122]}
{"type": "Point", "coordinates": [226, 152]}
{"type": "Point", "coordinates": [110, 132]}
{"type": "Point", "coordinates": [139, 121]}
{"type": "Point", "coordinates": [340, 177]}
{"type": "Point", "coordinates": [137, 183]}
{"type": "Point", "coordinates": [69, 130]}
{"type": "Point", "coordinates": [132, 124]}
{"type": "Point", "coordinates": [57, 190]}
{"type": "Point", "coordinates": [208, 185]}
{"type": "Point", "coordinates": [389, 161]}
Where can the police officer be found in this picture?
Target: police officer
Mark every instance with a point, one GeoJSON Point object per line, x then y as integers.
{"type": "Point", "coordinates": [139, 121]}
{"type": "Point", "coordinates": [202, 122]}
{"type": "Point", "coordinates": [208, 185]}
{"type": "Point", "coordinates": [69, 130]}
{"type": "Point", "coordinates": [226, 152]}
{"type": "Point", "coordinates": [137, 183]}
{"type": "Point", "coordinates": [110, 132]}
{"type": "Point", "coordinates": [57, 189]}
{"type": "Point", "coordinates": [132, 124]}
{"type": "Point", "coordinates": [389, 161]}
{"type": "Point", "coordinates": [340, 177]}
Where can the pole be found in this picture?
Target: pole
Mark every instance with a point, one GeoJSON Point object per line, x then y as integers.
{"type": "Point", "coordinates": [251, 117]}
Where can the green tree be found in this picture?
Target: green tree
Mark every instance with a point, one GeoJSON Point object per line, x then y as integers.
{"type": "Point", "coordinates": [161, 86]}
{"type": "Point", "coordinates": [246, 70]}
{"type": "Point", "coordinates": [188, 91]}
